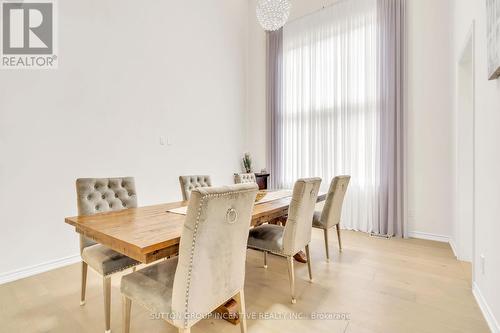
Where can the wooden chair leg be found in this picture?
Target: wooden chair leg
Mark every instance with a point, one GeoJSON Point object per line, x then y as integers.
{"type": "Point", "coordinates": [325, 232]}
{"type": "Point", "coordinates": [338, 235]}
{"type": "Point", "coordinates": [84, 283]}
{"type": "Point", "coordinates": [265, 259]}
{"type": "Point", "coordinates": [240, 299]}
{"type": "Point", "coordinates": [127, 305]}
{"type": "Point", "coordinates": [291, 274]}
{"type": "Point", "coordinates": [309, 263]}
{"type": "Point", "coordinates": [106, 281]}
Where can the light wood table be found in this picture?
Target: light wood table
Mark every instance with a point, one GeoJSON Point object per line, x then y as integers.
{"type": "Point", "coordinates": [150, 233]}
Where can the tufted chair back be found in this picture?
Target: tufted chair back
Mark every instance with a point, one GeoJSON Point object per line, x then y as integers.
{"type": "Point", "coordinates": [332, 210]}
{"type": "Point", "coordinates": [189, 183]}
{"type": "Point", "coordinates": [243, 178]}
{"type": "Point", "coordinates": [298, 226]}
{"type": "Point", "coordinates": [98, 195]}
{"type": "Point", "coordinates": [212, 250]}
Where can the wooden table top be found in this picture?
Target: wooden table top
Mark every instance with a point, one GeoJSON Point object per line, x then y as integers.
{"type": "Point", "coordinates": [151, 233]}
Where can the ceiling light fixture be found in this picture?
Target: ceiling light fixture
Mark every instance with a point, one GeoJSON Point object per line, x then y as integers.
{"type": "Point", "coordinates": [273, 14]}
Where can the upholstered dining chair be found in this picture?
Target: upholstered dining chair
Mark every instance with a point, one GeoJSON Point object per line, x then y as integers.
{"type": "Point", "coordinates": [243, 178]}
{"type": "Point", "coordinates": [98, 195]}
{"type": "Point", "coordinates": [210, 268]}
{"type": "Point", "coordinates": [329, 215]}
{"type": "Point", "coordinates": [295, 235]}
{"type": "Point", "coordinates": [189, 183]}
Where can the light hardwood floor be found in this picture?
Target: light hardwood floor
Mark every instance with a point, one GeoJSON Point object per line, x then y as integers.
{"type": "Point", "coordinates": [386, 286]}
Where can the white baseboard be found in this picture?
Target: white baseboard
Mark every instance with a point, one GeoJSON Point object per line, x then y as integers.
{"type": "Point", "coordinates": [454, 248]}
{"type": "Point", "coordinates": [428, 236]}
{"type": "Point", "coordinates": [37, 269]}
{"type": "Point", "coordinates": [483, 305]}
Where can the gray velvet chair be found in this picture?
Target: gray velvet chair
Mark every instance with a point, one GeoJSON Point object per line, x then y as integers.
{"type": "Point", "coordinates": [98, 196]}
{"type": "Point", "coordinates": [189, 183]}
{"type": "Point", "coordinates": [243, 178]}
{"type": "Point", "coordinates": [210, 268]}
{"type": "Point", "coordinates": [295, 235]}
{"type": "Point", "coordinates": [329, 215]}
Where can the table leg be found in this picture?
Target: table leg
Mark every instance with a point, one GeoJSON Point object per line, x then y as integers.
{"type": "Point", "coordinates": [301, 257]}
{"type": "Point", "coordinates": [229, 311]}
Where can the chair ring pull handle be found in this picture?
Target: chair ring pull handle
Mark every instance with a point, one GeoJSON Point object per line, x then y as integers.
{"type": "Point", "coordinates": [231, 216]}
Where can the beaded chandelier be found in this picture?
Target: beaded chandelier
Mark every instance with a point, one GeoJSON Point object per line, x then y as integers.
{"type": "Point", "coordinates": [273, 14]}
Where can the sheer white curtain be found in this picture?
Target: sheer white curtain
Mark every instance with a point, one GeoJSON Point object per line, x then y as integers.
{"type": "Point", "coordinates": [328, 123]}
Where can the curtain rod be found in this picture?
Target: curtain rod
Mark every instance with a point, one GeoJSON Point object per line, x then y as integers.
{"type": "Point", "coordinates": [317, 10]}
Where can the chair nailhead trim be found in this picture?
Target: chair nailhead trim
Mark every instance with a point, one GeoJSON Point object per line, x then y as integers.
{"type": "Point", "coordinates": [122, 269]}
{"type": "Point", "coordinates": [195, 231]}
{"type": "Point", "coordinates": [256, 248]}
{"type": "Point", "coordinates": [193, 245]}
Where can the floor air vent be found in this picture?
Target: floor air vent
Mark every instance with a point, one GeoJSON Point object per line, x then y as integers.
{"type": "Point", "coordinates": [372, 234]}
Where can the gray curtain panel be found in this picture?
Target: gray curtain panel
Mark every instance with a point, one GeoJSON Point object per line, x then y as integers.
{"type": "Point", "coordinates": [274, 104]}
{"type": "Point", "coordinates": [391, 84]}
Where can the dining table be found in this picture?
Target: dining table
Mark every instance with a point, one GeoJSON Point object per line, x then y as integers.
{"type": "Point", "coordinates": [151, 233]}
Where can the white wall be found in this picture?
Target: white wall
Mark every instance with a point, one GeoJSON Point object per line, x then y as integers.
{"type": "Point", "coordinates": [487, 210]}
{"type": "Point", "coordinates": [430, 130]}
{"type": "Point", "coordinates": [463, 227]}
{"type": "Point", "coordinates": [430, 122]}
{"type": "Point", "coordinates": [255, 129]}
{"type": "Point", "coordinates": [128, 73]}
